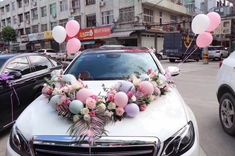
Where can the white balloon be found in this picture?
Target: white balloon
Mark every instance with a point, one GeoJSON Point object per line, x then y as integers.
{"type": "Point", "coordinates": [59, 34]}
{"type": "Point", "coordinates": [200, 23]}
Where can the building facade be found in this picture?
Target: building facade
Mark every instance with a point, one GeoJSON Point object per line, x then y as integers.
{"type": "Point", "coordinates": [127, 22]}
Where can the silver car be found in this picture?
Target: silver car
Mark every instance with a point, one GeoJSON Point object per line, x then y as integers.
{"type": "Point", "coordinates": [217, 52]}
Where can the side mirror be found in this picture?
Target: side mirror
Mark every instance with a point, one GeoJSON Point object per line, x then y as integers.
{"type": "Point", "coordinates": [173, 71]}
{"type": "Point", "coordinates": [16, 74]}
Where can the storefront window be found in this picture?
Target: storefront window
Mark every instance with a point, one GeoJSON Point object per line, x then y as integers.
{"type": "Point", "coordinates": [35, 29]}
{"type": "Point", "coordinates": [43, 11]}
{"type": "Point", "coordinates": [53, 9]}
{"type": "Point", "coordinates": [126, 14]}
{"type": "Point", "coordinates": [107, 17]}
{"type": "Point", "coordinates": [35, 13]}
{"type": "Point", "coordinates": [64, 5]}
{"type": "Point", "coordinates": [91, 20]}
{"type": "Point", "coordinates": [148, 15]}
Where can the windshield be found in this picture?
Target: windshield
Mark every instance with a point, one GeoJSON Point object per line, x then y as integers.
{"type": "Point", "coordinates": [111, 66]}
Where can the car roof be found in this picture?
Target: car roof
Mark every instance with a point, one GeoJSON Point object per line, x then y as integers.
{"type": "Point", "coordinates": [117, 49]}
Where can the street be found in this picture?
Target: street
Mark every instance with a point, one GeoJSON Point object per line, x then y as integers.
{"type": "Point", "coordinates": [197, 85]}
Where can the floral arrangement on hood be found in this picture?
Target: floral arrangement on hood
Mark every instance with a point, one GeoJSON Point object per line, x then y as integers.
{"type": "Point", "coordinates": [90, 113]}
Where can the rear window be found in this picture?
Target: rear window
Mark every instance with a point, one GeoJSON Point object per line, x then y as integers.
{"type": "Point", "coordinates": [111, 66]}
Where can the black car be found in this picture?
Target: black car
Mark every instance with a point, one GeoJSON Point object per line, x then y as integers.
{"type": "Point", "coordinates": [27, 73]}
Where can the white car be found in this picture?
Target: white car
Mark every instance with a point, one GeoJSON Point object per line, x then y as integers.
{"type": "Point", "coordinates": [167, 127]}
{"type": "Point", "coordinates": [217, 52]}
{"type": "Point", "coordinates": [226, 94]}
{"type": "Point", "coordinates": [52, 53]}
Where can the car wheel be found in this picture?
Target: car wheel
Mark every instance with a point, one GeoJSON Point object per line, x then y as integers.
{"type": "Point", "coordinates": [227, 113]}
{"type": "Point", "coordinates": [172, 60]}
{"type": "Point", "coordinates": [159, 57]}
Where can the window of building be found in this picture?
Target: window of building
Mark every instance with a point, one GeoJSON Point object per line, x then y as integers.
{"type": "Point", "coordinates": [27, 30]}
{"type": "Point", "coordinates": [19, 64]}
{"type": "Point", "coordinates": [8, 8]}
{"type": "Point", "coordinates": [148, 15]}
{"type": "Point", "coordinates": [107, 17]}
{"type": "Point", "coordinates": [9, 21]}
{"type": "Point", "coordinates": [20, 17]}
{"type": "Point", "coordinates": [40, 62]}
{"type": "Point", "coordinates": [26, 2]}
{"type": "Point", "coordinates": [126, 14]}
{"type": "Point", "coordinates": [53, 9]}
{"type": "Point", "coordinates": [2, 11]}
{"type": "Point", "coordinates": [173, 18]}
{"type": "Point", "coordinates": [53, 24]}
{"type": "Point", "coordinates": [63, 22]}
{"type": "Point", "coordinates": [78, 18]}
{"type": "Point", "coordinates": [27, 17]}
{"type": "Point", "coordinates": [43, 27]}
{"type": "Point", "coordinates": [19, 3]}
{"type": "Point", "coordinates": [75, 4]}
{"type": "Point", "coordinates": [90, 2]}
{"type": "Point", "coordinates": [35, 29]}
{"type": "Point", "coordinates": [21, 31]}
{"type": "Point", "coordinates": [14, 19]}
{"type": "Point", "coordinates": [3, 23]}
{"type": "Point", "coordinates": [160, 14]}
{"type": "Point", "coordinates": [43, 11]}
{"type": "Point", "coordinates": [13, 6]}
{"type": "Point", "coordinates": [91, 20]}
{"type": "Point", "coordinates": [64, 5]}
{"type": "Point", "coordinates": [34, 13]}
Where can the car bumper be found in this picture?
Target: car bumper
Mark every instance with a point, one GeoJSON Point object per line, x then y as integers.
{"type": "Point", "coordinates": [10, 151]}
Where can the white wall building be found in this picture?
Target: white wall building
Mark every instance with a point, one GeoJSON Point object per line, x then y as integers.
{"type": "Point", "coordinates": [129, 22]}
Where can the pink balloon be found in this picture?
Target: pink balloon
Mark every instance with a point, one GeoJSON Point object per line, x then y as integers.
{"type": "Point", "coordinates": [72, 28]}
{"type": "Point", "coordinates": [73, 46]}
{"type": "Point", "coordinates": [121, 99]}
{"type": "Point", "coordinates": [146, 88]}
{"type": "Point", "coordinates": [204, 40]}
{"type": "Point", "coordinates": [83, 94]}
{"type": "Point", "coordinates": [132, 110]}
{"type": "Point", "coordinates": [215, 21]}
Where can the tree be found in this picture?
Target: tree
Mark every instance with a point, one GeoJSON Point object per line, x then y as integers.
{"type": "Point", "coordinates": [8, 34]}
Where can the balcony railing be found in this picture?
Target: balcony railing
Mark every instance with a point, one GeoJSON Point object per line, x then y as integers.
{"type": "Point", "coordinates": [167, 5]}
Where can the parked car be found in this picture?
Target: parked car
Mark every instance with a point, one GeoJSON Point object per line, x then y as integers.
{"type": "Point", "coordinates": [217, 52]}
{"type": "Point", "coordinates": [160, 55]}
{"type": "Point", "coordinates": [54, 54]}
{"type": "Point", "coordinates": [226, 94]}
{"type": "Point", "coordinates": [168, 128]}
{"type": "Point", "coordinates": [28, 72]}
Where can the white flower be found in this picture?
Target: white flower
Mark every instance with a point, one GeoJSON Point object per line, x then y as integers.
{"type": "Point", "coordinates": [87, 117]}
{"type": "Point", "coordinates": [76, 85]}
{"type": "Point", "coordinates": [133, 98]}
{"type": "Point", "coordinates": [75, 118]}
{"type": "Point", "coordinates": [85, 111]}
{"type": "Point", "coordinates": [101, 107]}
{"type": "Point", "coordinates": [111, 106]}
{"type": "Point", "coordinates": [108, 113]}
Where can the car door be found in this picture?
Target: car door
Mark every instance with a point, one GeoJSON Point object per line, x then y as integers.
{"type": "Point", "coordinates": [42, 68]}
{"type": "Point", "coordinates": [11, 107]}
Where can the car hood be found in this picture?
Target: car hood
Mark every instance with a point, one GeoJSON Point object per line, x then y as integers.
{"type": "Point", "coordinates": [163, 117]}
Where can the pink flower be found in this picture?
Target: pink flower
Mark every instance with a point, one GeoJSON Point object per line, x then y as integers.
{"type": "Point", "coordinates": [94, 97]}
{"type": "Point", "coordinates": [130, 94]}
{"type": "Point", "coordinates": [139, 94]}
{"type": "Point", "coordinates": [152, 74]}
{"type": "Point", "coordinates": [143, 107]}
{"type": "Point", "coordinates": [92, 114]}
{"type": "Point", "coordinates": [90, 103]}
{"type": "Point", "coordinates": [150, 71]}
{"type": "Point", "coordinates": [47, 91]}
{"type": "Point", "coordinates": [120, 111]}
{"type": "Point", "coordinates": [110, 98]}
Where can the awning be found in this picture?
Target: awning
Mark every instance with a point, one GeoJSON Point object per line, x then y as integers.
{"type": "Point", "coordinates": [122, 34]}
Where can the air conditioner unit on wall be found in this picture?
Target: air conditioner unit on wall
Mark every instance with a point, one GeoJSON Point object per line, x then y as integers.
{"type": "Point", "coordinates": [102, 3]}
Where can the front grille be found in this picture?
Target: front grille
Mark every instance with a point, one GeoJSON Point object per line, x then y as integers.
{"type": "Point", "coordinates": [117, 147]}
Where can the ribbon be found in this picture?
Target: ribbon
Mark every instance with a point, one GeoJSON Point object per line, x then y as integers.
{"type": "Point", "coordinates": [5, 79]}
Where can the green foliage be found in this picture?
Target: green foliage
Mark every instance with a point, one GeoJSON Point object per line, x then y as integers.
{"type": "Point", "coordinates": [8, 34]}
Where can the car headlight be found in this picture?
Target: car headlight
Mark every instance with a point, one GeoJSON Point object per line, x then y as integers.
{"type": "Point", "coordinates": [180, 142]}
{"type": "Point", "coordinates": [18, 142]}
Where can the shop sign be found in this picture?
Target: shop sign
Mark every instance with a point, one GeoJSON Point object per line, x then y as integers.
{"type": "Point", "coordinates": [24, 38]}
{"type": "Point", "coordinates": [48, 35]}
{"type": "Point", "coordinates": [102, 32]}
{"type": "Point", "coordinates": [32, 37]}
{"type": "Point", "coordinates": [40, 36]}
{"type": "Point", "coordinates": [86, 34]}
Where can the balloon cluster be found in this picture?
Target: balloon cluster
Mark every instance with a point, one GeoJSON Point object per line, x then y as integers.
{"type": "Point", "coordinates": [204, 25]}
{"type": "Point", "coordinates": [71, 29]}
